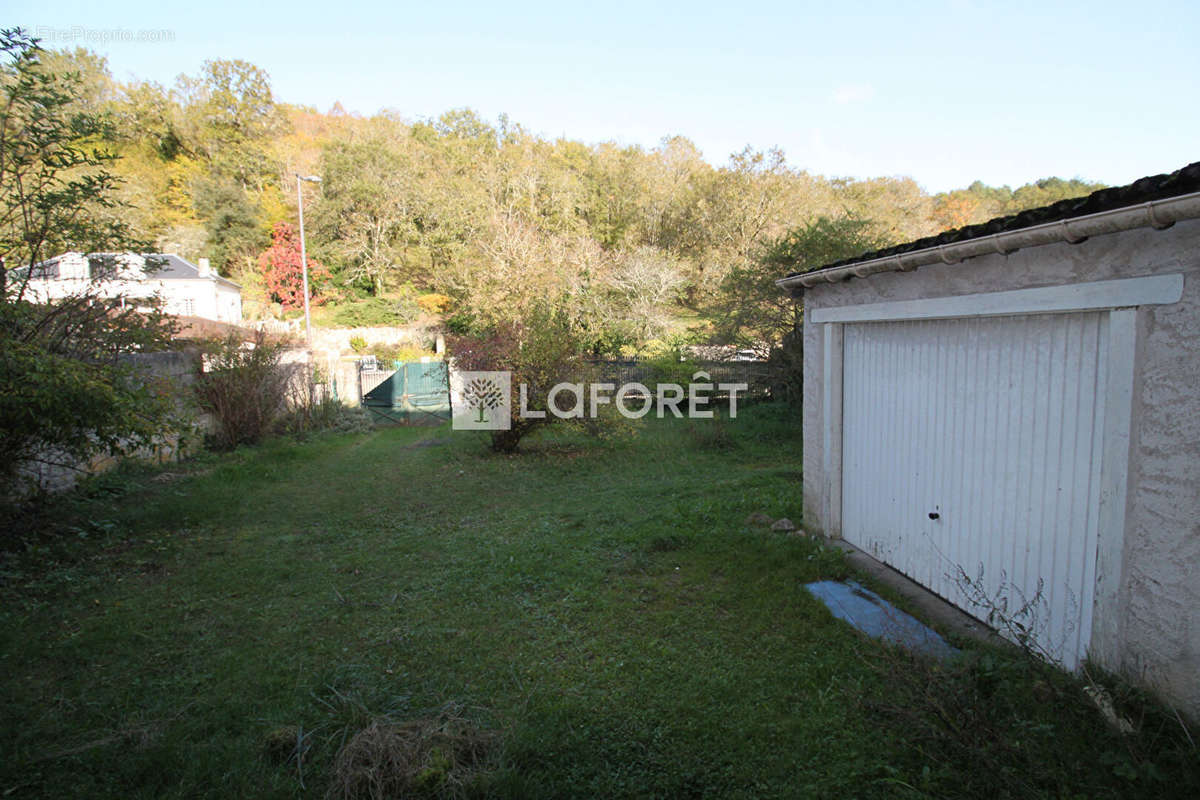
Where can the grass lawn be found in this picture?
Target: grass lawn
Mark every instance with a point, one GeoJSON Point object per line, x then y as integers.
{"type": "Point", "coordinates": [597, 613]}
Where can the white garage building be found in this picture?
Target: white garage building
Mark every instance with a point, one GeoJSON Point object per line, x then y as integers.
{"type": "Point", "coordinates": [1009, 414]}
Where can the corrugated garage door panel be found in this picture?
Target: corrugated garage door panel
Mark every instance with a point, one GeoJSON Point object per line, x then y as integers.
{"type": "Point", "coordinates": [994, 426]}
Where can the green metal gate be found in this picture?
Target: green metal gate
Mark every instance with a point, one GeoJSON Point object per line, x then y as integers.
{"type": "Point", "coordinates": [415, 393]}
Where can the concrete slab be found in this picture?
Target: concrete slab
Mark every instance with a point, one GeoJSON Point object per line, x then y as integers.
{"type": "Point", "coordinates": [932, 608]}
{"type": "Point", "coordinates": [876, 617]}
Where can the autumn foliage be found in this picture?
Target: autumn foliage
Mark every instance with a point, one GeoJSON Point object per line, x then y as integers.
{"type": "Point", "coordinates": [280, 264]}
{"type": "Point", "coordinates": [434, 303]}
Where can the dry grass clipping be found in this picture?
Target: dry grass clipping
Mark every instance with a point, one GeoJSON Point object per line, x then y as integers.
{"type": "Point", "coordinates": [442, 756]}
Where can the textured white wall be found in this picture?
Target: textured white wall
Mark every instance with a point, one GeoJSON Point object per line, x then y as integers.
{"type": "Point", "coordinates": [210, 299]}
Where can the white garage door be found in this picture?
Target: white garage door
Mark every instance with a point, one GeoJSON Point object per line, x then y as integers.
{"type": "Point", "coordinates": [971, 462]}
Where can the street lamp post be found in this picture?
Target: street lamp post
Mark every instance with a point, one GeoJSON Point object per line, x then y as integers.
{"type": "Point", "coordinates": [300, 179]}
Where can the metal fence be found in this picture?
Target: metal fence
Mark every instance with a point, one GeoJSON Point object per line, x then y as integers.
{"type": "Point", "coordinates": [368, 379]}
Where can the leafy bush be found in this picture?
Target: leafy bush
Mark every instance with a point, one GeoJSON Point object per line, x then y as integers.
{"type": "Point", "coordinates": [540, 352]}
{"type": "Point", "coordinates": [358, 344]}
{"type": "Point", "coordinates": [667, 360]}
{"type": "Point", "coordinates": [374, 312]}
{"type": "Point", "coordinates": [669, 368]}
{"type": "Point", "coordinates": [245, 387]}
{"type": "Point", "coordinates": [460, 324]}
{"type": "Point", "coordinates": [385, 354]}
{"type": "Point", "coordinates": [66, 391]}
{"type": "Point", "coordinates": [434, 303]}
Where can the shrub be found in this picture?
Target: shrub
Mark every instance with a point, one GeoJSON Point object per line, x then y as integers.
{"type": "Point", "coordinates": [385, 354]}
{"type": "Point", "coordinates": [540, 352]}
{"type": "Point", "coordinates": [668, 368]}
{"type": "Point", "coordinates": [325, 414]}
{"type": "Point", "coordinates": [434, 303]}
{"type": "Point", "coordinates": [460, 324]}
{"type": "Point", "coordinates": [245, 387]}
{"type": "Point", "coordinates": [358, 344]}
{"type": "Point", "coordinates": [66, 391]}
{"type": "Point", "coordinates": [374, 312]}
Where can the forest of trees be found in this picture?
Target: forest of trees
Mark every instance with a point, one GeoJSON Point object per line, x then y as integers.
{"type": "Point", "coordinates": [621, 239]}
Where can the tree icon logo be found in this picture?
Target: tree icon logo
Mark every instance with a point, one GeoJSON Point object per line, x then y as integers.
{"type": "Point", "coordinates": [483, 394]}
{"type": "Point", "coordinates": [482, 401]}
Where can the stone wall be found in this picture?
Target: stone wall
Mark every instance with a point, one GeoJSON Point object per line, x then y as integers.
{"type": "Point", "coordinates": [337, 340]}
{"type": "Point", "coordinates": [178, 368]}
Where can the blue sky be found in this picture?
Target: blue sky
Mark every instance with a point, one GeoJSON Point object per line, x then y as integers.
{"type": "Point", "coordinates": [945, 92]}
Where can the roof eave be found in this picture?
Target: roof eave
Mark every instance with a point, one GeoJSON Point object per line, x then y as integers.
{"type": "Point", "coordinates": [1152, 214]}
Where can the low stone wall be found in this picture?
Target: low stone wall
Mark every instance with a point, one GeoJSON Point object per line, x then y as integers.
{"type": "Point", "coordinates": [337, 340]}
{"type": "Point", "coordinates": [57, 472]}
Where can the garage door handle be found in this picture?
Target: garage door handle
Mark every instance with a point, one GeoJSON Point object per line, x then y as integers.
{"type": "Point", "coordinates": [934, 515]}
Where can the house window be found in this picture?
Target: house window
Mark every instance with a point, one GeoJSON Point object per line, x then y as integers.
{"type": "Point", "coordinates": [188, 307]}
{"type": "Point", "coordinates": [98, 268]}
{"type": "Point", "coordinates": [73, 268]}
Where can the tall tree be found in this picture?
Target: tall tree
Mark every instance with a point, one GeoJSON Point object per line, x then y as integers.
{"type": "Point", "coordinates": [232, 218]}
{"type": "Point", "coordinates": [233, 117]}
{"type": "Point", "coordinates": [751, 311]}
{"type": "Point", "coordinates": [370, 211]}
{"type": "Point", "coordinates": [64, 389]}
{"type": "Point", "coordinates": [283, 273]}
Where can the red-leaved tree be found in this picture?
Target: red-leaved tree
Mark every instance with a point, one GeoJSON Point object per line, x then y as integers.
{"type": "Point", "coordinates": [280, 264]}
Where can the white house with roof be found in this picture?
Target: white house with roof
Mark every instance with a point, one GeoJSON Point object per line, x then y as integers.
{"type": "Point", "coordinates": [186, 289]}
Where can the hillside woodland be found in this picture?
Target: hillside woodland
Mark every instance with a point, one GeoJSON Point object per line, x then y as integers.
{"type": "Point", "coordinates": [482, 220]}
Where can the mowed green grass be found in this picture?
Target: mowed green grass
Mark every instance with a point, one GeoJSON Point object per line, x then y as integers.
{"type": "Point", "coordinates": [600, 604]}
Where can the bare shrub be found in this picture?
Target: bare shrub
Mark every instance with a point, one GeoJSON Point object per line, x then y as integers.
{"type": "Point", "coordinates": [244, 386]}
{"type": "Point", "coordinates": [1019, 618]}
{"type": "Point", "coordinates": [309, 413]}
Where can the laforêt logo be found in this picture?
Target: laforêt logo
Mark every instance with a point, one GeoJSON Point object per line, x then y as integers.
{"type": "Point", "coordinates": [485, 401]}
{"type": "Point", "coordinates": [482, 401]}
